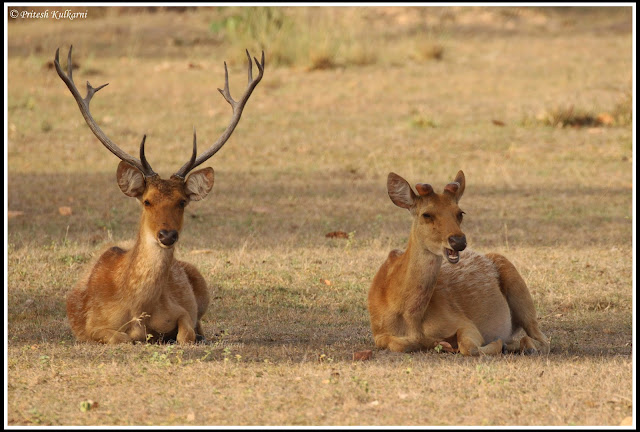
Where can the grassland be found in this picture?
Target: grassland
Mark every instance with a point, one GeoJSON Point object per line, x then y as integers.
{"type": "Point", "coordinates": [349, 94]}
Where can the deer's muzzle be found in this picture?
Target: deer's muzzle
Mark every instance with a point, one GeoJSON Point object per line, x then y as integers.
{"type": "Point", "coordinates": [167, 238]}
{"type": "Point", "coordinates": [457, 243]}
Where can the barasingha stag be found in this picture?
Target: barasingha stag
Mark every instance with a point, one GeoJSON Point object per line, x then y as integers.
{"type": "Point", "coordinates": [145, 293]}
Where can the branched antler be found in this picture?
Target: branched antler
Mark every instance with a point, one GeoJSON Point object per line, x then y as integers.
{"type": "Point", "coordinates": [83, 104]}
{"type": "Point", "coordinates": [237, 107]}
{"type": "Point", "coordinates": [142, 164]}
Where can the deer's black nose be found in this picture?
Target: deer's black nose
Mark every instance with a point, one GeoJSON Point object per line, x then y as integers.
{"type": "Point", "coordinates": [168, 238]}
{"type": "Point", "coordinates": [458, 243]}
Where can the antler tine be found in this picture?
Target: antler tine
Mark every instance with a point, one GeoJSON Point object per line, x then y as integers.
{"type": "Point", "coordinates": [189, 165]}
{"type": "Point", "coordinates": [83, 104]}
{"type": "Point", "coordinates": [237, 107]}
{"type": "Point", "coordinates": [194, 153]}
{"type": "Point", "coordinates": [148, 172]}
{"type": "Point", "coordinates": [69, 64]}
{"type": "Point", "coordinates": [250, 67]}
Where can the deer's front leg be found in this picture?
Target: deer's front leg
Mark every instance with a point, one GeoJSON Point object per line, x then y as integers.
{"type": "Point", "coordinates": [117, 329]}
{"type": "Point", "coordinates": [186, 332]}
{"type": "Point", "coordinates": [138, 331]}
{"type": "Point", "coordinates": [109, 336]}
{"type": "Point", "coordinates": [171, 316]}
{"type": "Point", "coordinates": [398, 343]}
{"type": "Point", "coordinates": [470, 342]}
{"type": "Point", "coordinates": [404, 334]}
{"type": "Point", "coordinates": [528, 346]}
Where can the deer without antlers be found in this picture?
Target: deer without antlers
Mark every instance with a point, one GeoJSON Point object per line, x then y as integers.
{"type": "Point", "coordinates": [145, 293]}
{"type": "Point", "coordinates": [439, 291]}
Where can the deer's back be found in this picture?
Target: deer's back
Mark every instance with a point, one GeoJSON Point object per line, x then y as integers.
{"type": "Point", "coordinates": [94, 291]}
{"type": "Point", "coordinates": [379, 292]}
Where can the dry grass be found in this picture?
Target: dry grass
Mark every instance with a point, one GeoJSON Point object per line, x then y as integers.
{"type": "Point", "coordinates": [310, 157]}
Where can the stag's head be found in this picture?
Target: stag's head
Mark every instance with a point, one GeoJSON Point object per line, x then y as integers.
{"type": "Point", "coordinates": [436, 216]}
{"type": "Point", "coordinates": [163, 201]}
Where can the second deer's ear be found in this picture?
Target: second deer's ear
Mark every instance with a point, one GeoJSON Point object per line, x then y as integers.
{"type": "Point", "coordinates": [199, 184]}
{"type": "Point", "coordinates": [457, 193]}
{"type": "Point", "coordinates": [130, 180]}
{"type": "Point", "coordinates": [400, 192]}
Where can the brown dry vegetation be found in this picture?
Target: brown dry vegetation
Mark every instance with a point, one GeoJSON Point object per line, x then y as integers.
{"type": "Point", "coordinates": [357, 93]}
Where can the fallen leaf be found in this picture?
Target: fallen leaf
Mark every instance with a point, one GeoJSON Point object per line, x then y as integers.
{"type": "Point", "coordinates": [445, 346]}
{"type": "Point", "coordinates": [326, 281]}
{"type": "Point", "coordinates": [65, 211]}
{"type": "Point", "coordinates": [260, 209]}
{"type": "Point", "coordinates": [14, 213]}
{"type": "Point", "coordinates": [627, 421]}
{"type": "Point", "coordinates": [162, 67]}
{"type": "Point", "coordinates": [605, 119]}
{"type": "Point", "coordinates": [362, 355]}
{"type": "Point", "coordinates": [497, 122]}
{"type": "Point", "coordinates": [88, 405]}
{"type": "Point", "coordinates": [200, 251]}
{"type": "Point", "coordinates": [337, 234]}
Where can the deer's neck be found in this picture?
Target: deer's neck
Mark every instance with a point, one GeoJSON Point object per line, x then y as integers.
{"type": "Point", "coordinates": [148, 268]}
{"type": "Point", "coordinates": [422, 269]}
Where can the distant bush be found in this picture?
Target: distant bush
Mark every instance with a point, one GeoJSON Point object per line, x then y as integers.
{"type": "Point", "coordinates": [306, 37]}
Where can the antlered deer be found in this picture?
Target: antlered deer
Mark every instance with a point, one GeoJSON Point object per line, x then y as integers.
{"type": "Point", "coordinates": [473, 302]}
{"type": "Point", "coordinates": [144, 293]}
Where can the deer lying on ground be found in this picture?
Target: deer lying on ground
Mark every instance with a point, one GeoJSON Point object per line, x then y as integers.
{"type": "Point", "coordinates": [434, 292]}
{"type": "Point", "coordinates": [144, 293]}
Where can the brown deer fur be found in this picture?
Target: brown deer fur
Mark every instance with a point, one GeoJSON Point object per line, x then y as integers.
{"type": "Point", "coordinates": [436, 291]}
{"type": "Point", "coordinates": [131, 295]}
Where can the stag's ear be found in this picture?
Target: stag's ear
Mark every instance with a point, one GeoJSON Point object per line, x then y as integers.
{"type": "Point", "coordinates": [130, 180]}
{"type": "Point", "coordinates": [199, 184]}
{"type": "Point", "coordinates": [456, 189]}
{"type": "Point", "coordinates": [400, 192]}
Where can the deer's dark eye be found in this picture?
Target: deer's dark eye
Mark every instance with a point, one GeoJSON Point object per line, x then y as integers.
{"type": "Point", "coordinates": [427, 216]}
{"type": "Point", "coordinates": [182, 204]}
{"type": "Point", "coordinates": [147, 203]}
